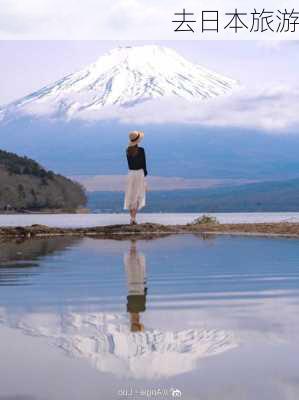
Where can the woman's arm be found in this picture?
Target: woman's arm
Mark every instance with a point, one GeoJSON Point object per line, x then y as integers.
{"type": "Point", "coordinates": [144, 163]}
{"type": "Point", "coordinates": [128, 159]}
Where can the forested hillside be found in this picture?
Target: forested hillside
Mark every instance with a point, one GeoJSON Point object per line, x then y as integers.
{"type": "Point", "coordinates": [24, 184]}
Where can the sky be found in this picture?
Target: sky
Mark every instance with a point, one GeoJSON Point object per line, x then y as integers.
{"type": "Point", "coordinates": [122, 19]}
{"type": "Point", "coordinates": [26, 66]}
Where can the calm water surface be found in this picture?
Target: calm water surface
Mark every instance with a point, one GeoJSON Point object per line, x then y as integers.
{"type": "Point", "coordinates": [210, 318]}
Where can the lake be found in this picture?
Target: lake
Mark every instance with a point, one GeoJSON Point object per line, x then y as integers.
{"type": "Point", "coordinates": [87, 220]}
{"type": "Point", "coordinates": [184, 316]}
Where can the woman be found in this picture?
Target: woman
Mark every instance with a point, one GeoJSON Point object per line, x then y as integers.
{"type": "Point", "coordinates": [135, 190]}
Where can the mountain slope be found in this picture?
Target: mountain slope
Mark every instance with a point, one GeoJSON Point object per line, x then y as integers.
{"type": "Point", "coordinates": [26, 185]}
{"type": "Point", "coordinates": [125, 76]}
{"type": "Point", "coordinates": [253, 197]}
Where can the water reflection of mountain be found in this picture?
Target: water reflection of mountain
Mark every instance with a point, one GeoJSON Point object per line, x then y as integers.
{"type": "Point", "coordinates": [118, 342]}
{"type": "Point", "coordinates": [105, 340]}
{"type": "Point", "coordinates": [203, 299]}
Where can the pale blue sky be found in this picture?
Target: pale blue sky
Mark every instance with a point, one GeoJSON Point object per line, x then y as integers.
{"type": "Point", "coordinates": [26, 66]}
{"type": "Point", "coordinates": [125, 19]}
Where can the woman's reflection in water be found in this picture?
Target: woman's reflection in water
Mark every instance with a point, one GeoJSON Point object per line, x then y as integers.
{"type": "Point", "coordinates": [136, 274]}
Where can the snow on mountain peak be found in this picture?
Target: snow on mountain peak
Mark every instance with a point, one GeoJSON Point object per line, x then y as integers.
{"type": "Point", "coordinates": [125, 76]}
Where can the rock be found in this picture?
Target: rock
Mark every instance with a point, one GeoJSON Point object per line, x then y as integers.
{"type": "Point", "coordinates": [151, 230]}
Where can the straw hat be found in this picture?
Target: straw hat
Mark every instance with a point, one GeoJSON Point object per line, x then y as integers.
{"type": "Point", "coordinates": [135, 137]}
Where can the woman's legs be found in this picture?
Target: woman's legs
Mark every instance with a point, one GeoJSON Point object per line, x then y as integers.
{"type": "Point", "coordinates": [133, 212]}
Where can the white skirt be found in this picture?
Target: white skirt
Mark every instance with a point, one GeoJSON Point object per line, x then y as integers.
{"type": "Point", "coordinates": [135, 190]}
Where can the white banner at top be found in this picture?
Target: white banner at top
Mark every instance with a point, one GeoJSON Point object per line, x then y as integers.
{"type": "Point", "coordinates": [149, 20]}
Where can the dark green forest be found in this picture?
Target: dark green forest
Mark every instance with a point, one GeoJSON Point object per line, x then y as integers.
{"type": "Point", "coordinates": [25, 184]}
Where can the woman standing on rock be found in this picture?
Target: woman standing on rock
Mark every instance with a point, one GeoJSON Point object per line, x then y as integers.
{"type": "Point", "coordinates": [135, 188]}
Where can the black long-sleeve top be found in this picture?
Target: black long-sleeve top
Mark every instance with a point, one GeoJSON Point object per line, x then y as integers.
{"type": "Point", "coordinates": [138, 161]}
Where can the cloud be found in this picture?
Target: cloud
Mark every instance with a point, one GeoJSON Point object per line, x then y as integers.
{"type": "Point", "coordinates": [274, 109]}
{"type": "Point", "coordinates": [276, 45]}
{"type": "Point", "coordinates": [75, 20]}
{"type": "Point", "coordinates": [120, 19]}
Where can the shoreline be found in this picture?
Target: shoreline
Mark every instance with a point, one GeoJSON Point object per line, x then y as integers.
{"type": "Point", "coordinates": [154, 230]}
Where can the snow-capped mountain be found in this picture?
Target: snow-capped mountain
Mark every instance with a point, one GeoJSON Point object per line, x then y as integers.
{"type": "Point", "coordinates": [125, 76]}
